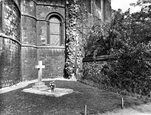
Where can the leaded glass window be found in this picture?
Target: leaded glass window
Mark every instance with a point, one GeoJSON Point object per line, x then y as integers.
{"type": "Point", "coordinates": [54, 32]}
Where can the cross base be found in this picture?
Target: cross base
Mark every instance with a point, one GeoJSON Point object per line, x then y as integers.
{"type": "Point", "coordinates": [40, 86]}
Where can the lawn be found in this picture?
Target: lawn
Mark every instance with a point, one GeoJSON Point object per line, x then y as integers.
{"type": "Point", "coordinates": [98, 101]}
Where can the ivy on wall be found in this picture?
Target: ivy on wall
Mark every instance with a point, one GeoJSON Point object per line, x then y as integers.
{"type": "Point", "coordinates": [77, 18]}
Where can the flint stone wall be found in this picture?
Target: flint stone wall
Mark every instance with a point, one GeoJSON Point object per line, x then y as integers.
{"type": "Point", "coordinates": [93, 69]}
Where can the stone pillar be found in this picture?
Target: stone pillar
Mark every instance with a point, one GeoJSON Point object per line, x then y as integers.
{"type": "Point", "coordinates": [70, 38]}
{"type": "Point", "coordinates": [73, 48]}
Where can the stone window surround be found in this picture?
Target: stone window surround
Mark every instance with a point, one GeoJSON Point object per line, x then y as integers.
{"type": "Point", "coordinates": [61, 19]}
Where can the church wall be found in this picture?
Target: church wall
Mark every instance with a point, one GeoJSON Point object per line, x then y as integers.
{"type": "Point", "coordinates": [29, 40]}
{"type": "Point", "coordinates": [28, 30]}
{"type": "Point", "coordinates": [44, 10]}
{"type": "Point", "coordinates": [28, 20]}
{"type": "Point", "coordinates": [10, 66]}
{"type": "Point", "coordinates": [41, 32]}
{"type": "Point", "coordinates": [54, 60]}
{"type": "Point", "coordinates": [10, 46]}
{"type": "Point", "coordinates": [52, 57]}
{"type": "Point", "coordinates": [34, 39]}
{"type": "Point", "coordinates": [29, 60]}
{"type": "Point", "coordinates": [51, 2]}
{"type": "Point", "coordinates": [11, 19]}
{"type": "Point", "coordinates": [42, 13]}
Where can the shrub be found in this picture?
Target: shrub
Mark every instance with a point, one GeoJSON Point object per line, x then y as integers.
{"type": "Point", "coordinates": [131, 71]}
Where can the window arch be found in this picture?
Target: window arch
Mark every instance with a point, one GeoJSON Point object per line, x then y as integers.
{"type": "Point", "coordinates": [55, 30]}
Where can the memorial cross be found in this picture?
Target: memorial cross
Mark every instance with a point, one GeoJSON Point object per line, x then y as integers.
{"type": "Point", "coordinates": [39, 67]}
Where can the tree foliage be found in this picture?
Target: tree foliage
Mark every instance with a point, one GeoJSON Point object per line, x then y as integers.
{"type": "Point", "coordinates": [128, 37]}
{"type": "Point", "coordinates": [131, 71]}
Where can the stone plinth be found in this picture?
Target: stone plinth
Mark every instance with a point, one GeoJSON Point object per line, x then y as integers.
{"type": "Point", "coordinates": [40, 86]}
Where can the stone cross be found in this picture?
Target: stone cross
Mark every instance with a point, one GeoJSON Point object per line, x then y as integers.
{"type": "Point", "coordinates": [39, 67]}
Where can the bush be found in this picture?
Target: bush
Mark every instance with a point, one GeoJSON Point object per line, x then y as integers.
{"type": "Point", "coordinates": [98, 41]}
{"type": "Point", "coordinates": [131, 71]}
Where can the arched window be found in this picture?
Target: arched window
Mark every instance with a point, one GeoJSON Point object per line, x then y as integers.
{"type": "Point", "coordinates": [55, 31]}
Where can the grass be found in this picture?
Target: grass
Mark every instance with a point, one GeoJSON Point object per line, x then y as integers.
{"type": "Point", "coordinates": [98, 101]}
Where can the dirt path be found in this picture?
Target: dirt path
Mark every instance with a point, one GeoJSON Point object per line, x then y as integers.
{"type": "Point", "coordinates": [144, 109]}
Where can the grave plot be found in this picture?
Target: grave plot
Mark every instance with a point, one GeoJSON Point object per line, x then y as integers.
{"type": "Point", "coordinates": [41, 89]}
